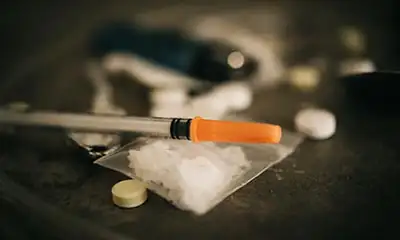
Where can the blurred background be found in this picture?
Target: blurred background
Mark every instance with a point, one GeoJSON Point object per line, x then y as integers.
{"type": "Point", "coordinates": [258, 60]}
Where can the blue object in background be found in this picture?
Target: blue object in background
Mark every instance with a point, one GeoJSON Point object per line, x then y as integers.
{"type": "Point", "coordinates": [171, 49]}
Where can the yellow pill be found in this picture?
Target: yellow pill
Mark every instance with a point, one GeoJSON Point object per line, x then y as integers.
{"type": "Point", "coordinates": [304, 77]}
{"type": "Point", "coordinates": [129, 193]}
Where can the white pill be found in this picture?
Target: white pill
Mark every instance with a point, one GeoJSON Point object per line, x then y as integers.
{"type": "Point", "coordinates": [129, 193]}
{"type": "Point", "coordinates": [174, 96]}
{"type": "Point", "coordinates": [315, 123]}
{"type": "Point", "coordinates": [355, 66]}
{"type": "Point", "coordinates": [304, 77]}
{"type": "Point", "coordinates": [236, 96]}
{"type": "Point", "coordinates": [168, 111]}
{"type": "Point", "coordinates": [209, 106]}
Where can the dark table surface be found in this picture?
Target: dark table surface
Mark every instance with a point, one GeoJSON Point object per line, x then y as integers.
{"type": "Point", "coordinates": [341, 188]}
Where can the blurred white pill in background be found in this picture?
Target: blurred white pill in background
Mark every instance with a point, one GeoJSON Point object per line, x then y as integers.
{"type": "Point", "coordinates": [356, 66]}
{"type": "Point", "coordinates": [169, 96]}
{"type": "Point", "coordinates": [237, 96]}
{"type": "Point", "coordinates": [316, 123]}
{"type": "Point", "coordinates": [352, 39]}
{"type": "Point", "coordinates": [207, 107]}
{"type": "Point", "coordinates": [221, 100]}
{"type": "Point", "coordinates": [215, 104]}
{"type": "Point", "coordinates": [304, 77]}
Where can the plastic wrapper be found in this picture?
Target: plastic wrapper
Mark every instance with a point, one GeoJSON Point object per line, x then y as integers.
{"type": "Point", "coordinates": [196, 176]}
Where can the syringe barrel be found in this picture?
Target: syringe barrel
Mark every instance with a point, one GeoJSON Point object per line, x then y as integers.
{"type": "Point", "coordinates": [171, 127]}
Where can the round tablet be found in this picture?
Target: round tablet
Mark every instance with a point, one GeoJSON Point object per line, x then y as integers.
{"type": "Point", "coordinates": [129, 193]}
{"type": "Point", "coordinates": [356, 66]}
{"type": "Point", "coordinates": [175, 96]}
{"type": "Point", "coordinates": [236, 96]}
{"type": "Point", "coordinates": [316, 123]}
{"type": "Point", "coordinates": [304, 77]}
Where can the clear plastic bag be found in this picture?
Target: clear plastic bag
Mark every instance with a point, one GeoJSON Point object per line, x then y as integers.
{"type": "Point", "coordinates": [257, 158]}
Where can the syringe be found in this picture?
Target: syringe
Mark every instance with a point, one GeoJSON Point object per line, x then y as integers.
{"type": "Point", "coordinates": [196, 129]}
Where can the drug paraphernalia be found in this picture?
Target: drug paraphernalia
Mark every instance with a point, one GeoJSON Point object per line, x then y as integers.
{"type": "Point", "coordinates": [189, 175]}
{"type": "Point", "coordinates": [317, 124]}
{"type": "Point", "coordinates": [196, 176]}
{"type": "Point", "coordinates": [196, 129]}
{"type": "Point", "coordinates": [129, 193]}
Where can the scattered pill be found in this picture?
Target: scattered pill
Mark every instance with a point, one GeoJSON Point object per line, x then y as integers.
{"type": "Point", "coordinates": [304, 77]}
{"type": "Point", "coordinates": [173, 96]}
{"type": "Point", "coordinates": [353, 39]}
{"type": "Point", "coordinates": [215, 104]}
{"type": "Point", "coordinates": [317, 124]}
{"type": "Point", "coordinates": [129, 193]}
{"type": "Point", "coordinates": [237, 96]}
{"type": "Point", "coordinates": [356, 66]}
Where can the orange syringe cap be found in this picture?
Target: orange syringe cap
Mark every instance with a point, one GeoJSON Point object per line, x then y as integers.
{"type": "Point", "coordinates": [228, 131]}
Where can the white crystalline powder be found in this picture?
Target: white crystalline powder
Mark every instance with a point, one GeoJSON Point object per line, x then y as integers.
{"type": "Point", "coordinates": [189, 175]}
